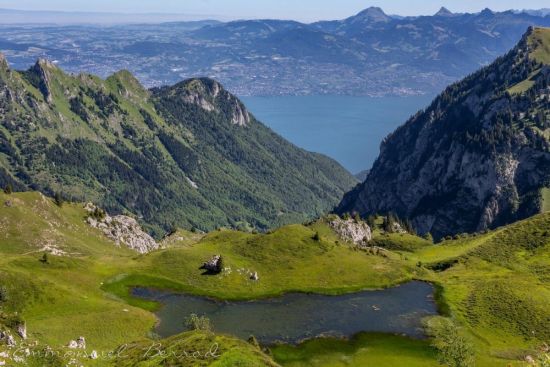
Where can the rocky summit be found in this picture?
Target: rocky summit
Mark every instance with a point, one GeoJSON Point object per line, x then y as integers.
{"type": "Point", "coordinates": [477, 157]}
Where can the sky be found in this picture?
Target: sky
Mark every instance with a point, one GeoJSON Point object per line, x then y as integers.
{"type": "Point", "coordinates": [303, 10]}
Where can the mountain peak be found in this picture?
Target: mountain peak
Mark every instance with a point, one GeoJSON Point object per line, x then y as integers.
{"type": "Point", "coordinates": [45, 64]}
{"type": "Point", "coordinates": [444, 12]}
{"type": "Point", "coordinates": [128, 85]}
{"type": "Point", "coordinates": [374, 14]}
{"type": "Point", "coordinates": [487, 12]}
{"type": "Point", "coordinates": [211, 96]}
{"type": "Point", "coordinates": [42, 69]}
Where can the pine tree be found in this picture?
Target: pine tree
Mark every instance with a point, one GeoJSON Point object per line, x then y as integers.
{"type": "Point", "coordinates": [8, 189]}
{"type": "Point", "coordinates": [58, 199]}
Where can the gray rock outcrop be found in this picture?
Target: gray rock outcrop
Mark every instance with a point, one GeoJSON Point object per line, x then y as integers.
{"type": "Point", "coordinates": [122, 230]}
{"type": "Point", "coordinates": [350, 230]}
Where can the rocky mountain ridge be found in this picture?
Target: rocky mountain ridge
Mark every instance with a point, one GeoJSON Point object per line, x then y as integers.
{"type": "Point", "coordinates": [188, 155]}
{"type": "Point", "coordinates": [478, 157]}
{"type": "Point", "coordinates": [369, 53]}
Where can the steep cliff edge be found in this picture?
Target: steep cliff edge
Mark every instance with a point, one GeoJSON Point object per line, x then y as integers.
{"type": "Point", "coordinates": [477, 157]}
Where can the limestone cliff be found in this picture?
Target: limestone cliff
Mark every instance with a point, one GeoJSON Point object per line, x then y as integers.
{"type": "Point", "coordinates": [477, 157]}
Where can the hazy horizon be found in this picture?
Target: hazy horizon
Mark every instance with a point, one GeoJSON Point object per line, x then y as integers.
{"type": "Point", "coordinates": [305, 11]}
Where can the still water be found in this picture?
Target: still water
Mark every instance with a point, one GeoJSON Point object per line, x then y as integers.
{"type": "Point", "coordinates": [298, 316]}
{"type": "Point", "coordinates": [348, 129]}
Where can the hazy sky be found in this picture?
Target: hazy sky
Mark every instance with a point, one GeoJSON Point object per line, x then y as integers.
{"type": "Point", "coordinates": [305, 10]}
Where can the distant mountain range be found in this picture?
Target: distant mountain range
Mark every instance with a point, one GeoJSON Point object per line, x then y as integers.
{"type": "Point", "coordinates": [189, 155]}
{"type": "Point", "coordinates": [478, 157]}
{"type": "Point", "coordinates": [370, 53]}
{"type": "Point", "coordinates": [41, 17]}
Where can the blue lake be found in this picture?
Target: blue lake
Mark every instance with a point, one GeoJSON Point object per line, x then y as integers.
{"type": "Point", "coordinates": [348, 129]}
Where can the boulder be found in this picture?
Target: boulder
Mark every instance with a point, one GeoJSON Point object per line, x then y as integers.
{"type": "Point", "coordinates": [72, 344]}
{"type": "Point", "coordinates": [214, 265]}
{"type": "Point", "coordinates": [81, 343]}
{"type": "Point", "coordinates": [10, 341]}
{"type": "Point", "coordinates": [22, 330]}
{"type": "Point", "coordinates": [254, 276]}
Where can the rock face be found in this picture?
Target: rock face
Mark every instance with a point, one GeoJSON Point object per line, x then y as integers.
{"type": "Point", "coordinates": [42, 71]}
{"type": "Point", "coordinates": [209, 95]}
{"type": "Point", "coordinates": [476, 158]}
{"type": "Point", "coordinates": [358, 233]}
{"type": "Point", "coordinates": [122, 229]}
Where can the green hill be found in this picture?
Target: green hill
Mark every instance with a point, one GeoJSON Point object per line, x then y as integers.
{"type": "Point", "coordinates": [495, 286]}
{"type": "Point", "coordinates": [189, 155]}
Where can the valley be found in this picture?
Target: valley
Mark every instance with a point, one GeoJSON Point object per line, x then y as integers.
{"type": "Point", "coordinates": [152, 219]}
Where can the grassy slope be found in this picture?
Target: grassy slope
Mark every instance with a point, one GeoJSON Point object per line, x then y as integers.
{"type": "Point", "coordinates": [545, 200]}
{"type": "Point", "coordinates": [362, 350]}
{"type": "Point", "coordinates": [497, 290]}
{"type": "Point", "coordinates": [286, 260]}
{"type": "Point", "coordinates": [541, 42]}
{"type": "Point", "coordinates": [63, 300]}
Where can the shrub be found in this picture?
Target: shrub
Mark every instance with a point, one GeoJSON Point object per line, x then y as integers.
{"type": "Point", "coordinates": [196, 322]}
{"type": "Point", "coordinates": [253, 341]}
{"type": "Point", "coordinates": [3, 294]}
{"type": "Point", "coordinates": [98, 214]}
{"type": "Point", "coordinates": [58, 199]}
{"type": "Point", "coordinates": [454, 350]}
{"type": "Point", "coordinates": [45, 259]}
{"type": "Point", "coordinates": [371, 221]}
{"type": "Point", "coordinates": [8, 189]}
{"type": "Point", "coordinates": [428, 237]}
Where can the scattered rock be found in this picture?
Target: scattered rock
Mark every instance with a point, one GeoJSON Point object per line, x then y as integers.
{"type": "Point", "coordinates": [254, 276]}
{"type": "Point", "coordinates": [8, 203]}
{"type": "Point", "coordinates": [72, 344]}
{"type": "Point", "coordinates": [2, 363]}
{"type": "Point", "coordinates": [350, 230]}
{"type": "Point", "coordinates": [81, 343]}
{"type": "Point", "coordinates": [93, 355]}
{"type": "Point", "coordinates": [214, 265]}
{"type": "Point", "coordinates": [10, 341]}
{"type": "Point", "coordinates": [121, 229]}
{"type": "Point", "coordinates": [22, 330]}
{"type": "Point", "coordinates": [530, 360]}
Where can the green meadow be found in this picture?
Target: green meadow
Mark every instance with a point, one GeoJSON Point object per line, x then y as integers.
{"type": "Point", "coordinates": [494, 286]}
